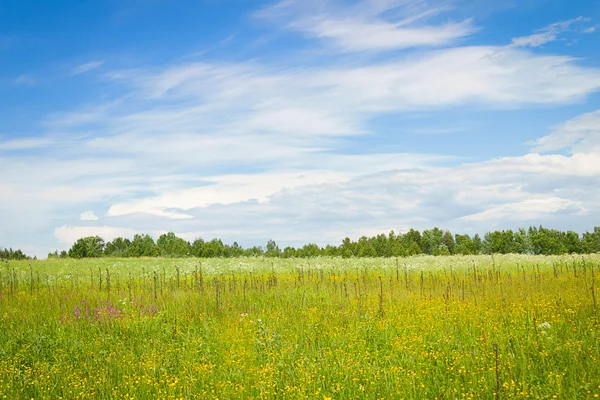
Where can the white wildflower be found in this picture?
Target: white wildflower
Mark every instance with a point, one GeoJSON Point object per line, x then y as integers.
{"type": "Point", "coordinates": [544, 325]}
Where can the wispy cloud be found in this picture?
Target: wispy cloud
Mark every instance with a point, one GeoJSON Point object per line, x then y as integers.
{"type": "Point", "coordinates": [365, 27]}
{"type": "Point", "coordinates": [527, 209]}
{"type": "Point", "coordinates": [549, 33]}
{"type": "Point", "coordinates": [25, 80]}
{"type": "Point", "coordinates": [275, 119]}
{"type": "Point", "coordinates": [82, 68]}
{"type": "Point", "coordinates": [25, 144]}
{"type": "Point", "coordinates": [591, 29]}
{"type": "Point", "coordinates": [581, 135]}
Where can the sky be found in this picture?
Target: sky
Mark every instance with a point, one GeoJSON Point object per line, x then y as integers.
{"type": "Point", "coordinates": [295, 120]}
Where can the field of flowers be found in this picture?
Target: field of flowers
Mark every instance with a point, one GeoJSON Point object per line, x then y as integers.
{"type": "Point", "coordinates": [457, 327]}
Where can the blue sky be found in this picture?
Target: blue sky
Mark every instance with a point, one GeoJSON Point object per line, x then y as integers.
{"type": "Point", "coordinates": [295, 120]}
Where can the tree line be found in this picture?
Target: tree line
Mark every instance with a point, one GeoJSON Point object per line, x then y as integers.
{"type": "Point", "coordinates": [436, 241]}
{"type": "Point", "coordinates": [10, 254]}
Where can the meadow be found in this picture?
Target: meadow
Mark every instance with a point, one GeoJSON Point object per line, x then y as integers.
{"type": "Point", "coordinates": [424, 327]}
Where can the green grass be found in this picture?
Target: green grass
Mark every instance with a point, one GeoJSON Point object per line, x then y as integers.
{"type": "Point", "coordinates": [422, 328]}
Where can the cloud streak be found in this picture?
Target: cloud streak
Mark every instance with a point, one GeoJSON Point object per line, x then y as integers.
{"type": "Point", "coordinates": [550, 33]}
{"type": "Point", "coordinates": [364, 28]}
{"type": "Point", "coordinates": [82, 68]}
{"type": "Point", "coordinates": [25, 80]}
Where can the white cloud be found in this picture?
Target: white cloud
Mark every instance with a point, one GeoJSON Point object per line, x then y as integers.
{"type": "Point", "coordinates": [219, 117]}
{"type": "Point", "coordinates": [232, 189]}
{"type": "Point", "coordinates": [359, 35]}
{"type": "Point", "coordinates": [299, 106]}
{"type": "Point", "coordinates": [526, 210]}
{"type": "Point", "coordinates": [229, 189]}
{"type": "Point", "coordinates": [581, 134]}
{"type": "Point", "coordinates": [494, 75]}
{"type": "Point", "coordinates": [25, 144]}
{"type": "Point", "coordinates": [363, 27]}
{"type": "Point", "coordinates": [549, 33]}
{"type": "Point", "coordinates": [81, 68]}
{"type": "Point", "coordinates": [88, 216]}
{"type": "Point", "coordinates": [69, 234]}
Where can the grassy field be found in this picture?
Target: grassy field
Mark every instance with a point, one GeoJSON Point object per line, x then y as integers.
{"type": "Point", "coordinates": [417, 328]}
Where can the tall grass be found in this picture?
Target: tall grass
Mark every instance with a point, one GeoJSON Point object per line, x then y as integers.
{"type": "Point", "coordinates": [423, 328]}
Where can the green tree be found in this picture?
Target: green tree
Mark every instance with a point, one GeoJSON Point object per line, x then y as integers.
{"type": "Point", "coordinates": [272, 249]}
{"type": "Point", "coordinates": [331, 251]}
{"type": "Point", "coordinates": [214, 248]}
{"type": "Point", "coordinates": [397, 248]}
{"type": "Point", "coordinates": [117, 248]}
{"type": "Point", "coordinates": [10, 254]}
{"type": "Point", "coordinates": [255, 251]}
{"type": "Point", "coordinates": [442, 250]}
{"type": "Point", "coordinates": [365, 248]}
{"type": "Point", "coordinates": [142, 246]}
{"type": "Point", "coordinates": [590, 242]}
{"type": "Point", "coordinates": [414, 249]}
{"type": "Point", "coordinates": [197, 248]}
{"type": "Point", "coordinates": [347, 248]}
{"type": "Point", "coordinates": [236, 250]}
{"type": "Point", "coordinates": [87, 247]}
{"type": "Point", "coordinates": [448, 241]}
{"type": "Point", "coordinates": [477, 244]}
{"type": "Point", "coordinates": [464, 245]}
{"type": "Point", "coordinates": [410, 237]}
{"type": "Point", "coordinates": [546, 241]}
{"type": "Point", "coordinates": [289, 252]}
{"type": "Point", "coordinates": [502, 242]}
{"type": "Point", "coordinates": [431, 240]}
{"type": "Point", "coordinates": [522, 242]}
{"type": "Point", "coordinates": [572, 242]}
{"type": "Point", "coordinates": [172, 246]}
{"type": "Point", "coordinates": [310, 250]}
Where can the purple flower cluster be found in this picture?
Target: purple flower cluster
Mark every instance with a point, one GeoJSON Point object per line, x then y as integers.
{"type": "Point", "coordinates": [105, 312]}
{"type": "Point", "coordinates": [144, 308]}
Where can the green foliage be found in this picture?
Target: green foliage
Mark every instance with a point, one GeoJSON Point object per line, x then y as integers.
{"type": "Point", "coordinates": [142, 246]}
{"type": "Point", "coordinates": [430, 240]}
{"type": "Point", "coordinates": [117, 248]}
{"type": "Point", "coordinates": [448, 241]}
{"type": "Point", "coordinates": [535, 240]}
{"type": "Point", "coordinates": [414, 249]}
{"type": "Point", "coordinates": [441, 250]}
{"type": "Point", "coordinates": [347, 248]}
{"type": "Point", "coordinates": [309, 250]}
{"type": "Point", "coordinates": [214, 248]}
{"type": "Point", "coordinates": [464, 245]}
{"type": "Point", "coordinates": [173, 246]}
{"type": "Point", "coordinates": [87, 247]}
{"type": "Point", "coordinates": [10, 254]}
{"type": "Point", "coordinates": [272, 249]}
{"type": "Point", "coordinates": [412, 236]}
{"type": "Point", "coordinates": [255, 251]}
{"type": "Point", "coordinates": [591, 241]}
{"type": "Point", "coordinates": [56, 254]}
